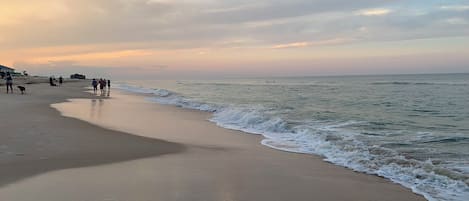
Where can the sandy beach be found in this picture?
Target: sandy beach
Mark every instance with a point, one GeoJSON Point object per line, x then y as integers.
{"type": "Point", "coordinates": [124, 148]}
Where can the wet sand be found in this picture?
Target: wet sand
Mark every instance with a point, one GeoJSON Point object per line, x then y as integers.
{"type": "Point", "coordinates": [172, 154]}
{"type": "Point", "coordinates": [35, 138]}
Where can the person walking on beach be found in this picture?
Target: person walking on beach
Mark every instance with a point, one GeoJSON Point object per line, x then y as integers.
{"type": "Point", "coordinates": [61, 80]}
{"type": "Point", "coordinates": [109, 84]}
{"type": "Point", "coordinates": [95, 85]}
{"type": "Point", "coordinates": [102, 83]}
{"type": "Point", "coordinates": [9, 83]}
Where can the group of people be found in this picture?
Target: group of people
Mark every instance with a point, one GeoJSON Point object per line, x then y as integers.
{"type": "Point", "coordinates": [52, 81]}
{"type": "Point", "coordinates": [102, 83]}
{"type": "Point", "coordinates": [9, 81]}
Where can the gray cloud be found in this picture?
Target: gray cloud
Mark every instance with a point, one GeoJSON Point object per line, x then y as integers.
{"type": "Point", "coordinates": [202, 23]}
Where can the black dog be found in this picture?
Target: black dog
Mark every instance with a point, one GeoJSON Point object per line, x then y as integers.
{"type": "Point", "coordinates": [22, 89]}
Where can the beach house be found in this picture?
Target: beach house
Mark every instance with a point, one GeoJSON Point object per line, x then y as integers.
{"type": "Point", "coordinates": [6, 69]}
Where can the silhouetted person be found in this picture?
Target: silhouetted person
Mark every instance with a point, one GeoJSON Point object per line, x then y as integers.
{"type": "Point", "coordinates": [109, 84]}
{"type": "Point", "coordinates": [95, 85]}
{"type": "Point", "coordinates": [61, 80]}
{"type": "Point", "coordinates": [102, 84]}
{"type": "Point", "coordinates": [9, 83]}
{"type": "Point", "coordinates": [51, 81]}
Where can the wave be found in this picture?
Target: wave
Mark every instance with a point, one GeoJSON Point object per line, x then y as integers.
{"type": "Point", "coordinates": [265, 83]}
{"type": "Point", "coordinates": [143, 90]}
{"type": "Point", "coordinates": [419, 83]}
{"type": "Point", "coordinates": [330, 140]}
{"type": "Point", "coordinates": [445, 140]}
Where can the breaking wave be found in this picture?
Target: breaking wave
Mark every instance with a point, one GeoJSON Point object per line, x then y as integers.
{"type": "Point", "coordinates": [331, 140]}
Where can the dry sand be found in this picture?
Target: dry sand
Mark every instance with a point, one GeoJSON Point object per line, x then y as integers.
{"type": "Point", "coordinates": [173, 154]}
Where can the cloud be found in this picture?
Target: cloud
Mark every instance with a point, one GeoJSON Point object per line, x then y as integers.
{"type": "Point", "coordinates": [68, 67]}
{"type": "Point", "coordinates": [208, 23]}
{"type": "Point", "coordinates": [292, 45]}
{"type": "Point", "coordinates": [136, 32]}
{"type": "Point", "coordinates": [239, 8]}
{"type": "Point", "coordinates": [374, 12]}
{"type": "Point", "coordinates": [455, 7]}
{"type": "Point", "coordinates": [457, 21]}
{"type": "Point", "coordinates": [100, 55]}
{"type": "Point", "coordinates": [334, 41]}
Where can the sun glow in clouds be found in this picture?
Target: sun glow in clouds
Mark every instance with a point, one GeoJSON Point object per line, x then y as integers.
{"type": "Point", "coordinates": [335, 41]}
{"type": "Point", "coordinates": [222, 35]}
{"type": "Point", "coordinates": [292, 45]}
{"type": "Point", "coordinates": [374, 12]}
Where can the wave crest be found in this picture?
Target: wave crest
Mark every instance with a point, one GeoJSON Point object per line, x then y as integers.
{"type": "Point", "coordinates": [331, 141]}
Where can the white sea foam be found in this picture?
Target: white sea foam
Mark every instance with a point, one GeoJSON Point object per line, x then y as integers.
{"type": "Point", "coordinates": [330, 140]}
{"type": "Point", "coordinates": [143, 90]}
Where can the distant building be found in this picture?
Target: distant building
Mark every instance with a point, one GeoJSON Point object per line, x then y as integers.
{"type": "Point", "coordinates": [5, 69]}
{"type": "Point", "coordinates": [78, 76]}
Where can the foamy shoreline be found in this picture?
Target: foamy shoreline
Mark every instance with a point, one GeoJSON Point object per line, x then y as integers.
{"type": "Point", "coordinates": [422, 177]}
{"type": "Point", "coordinates": [205, 162]}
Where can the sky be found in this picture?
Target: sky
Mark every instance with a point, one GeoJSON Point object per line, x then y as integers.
{"type": "Point", "coordinates": [148, 39]}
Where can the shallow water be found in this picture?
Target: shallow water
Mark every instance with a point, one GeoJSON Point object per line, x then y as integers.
{"type": "Point", "coordinates": [412, 129]}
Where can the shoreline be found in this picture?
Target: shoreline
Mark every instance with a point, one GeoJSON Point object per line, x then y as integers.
{"type": "Point", "coordinates": [344, 139]}
{"type": "Point", "coordinates": [202, 158]}
{"type": "Point", "coordinates": [33, 144]}
{"type": "Point", "coordinates": [216, 162]}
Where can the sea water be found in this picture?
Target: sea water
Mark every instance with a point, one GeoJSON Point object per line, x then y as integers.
{"type": "Point", "coordinates": [411, 129]}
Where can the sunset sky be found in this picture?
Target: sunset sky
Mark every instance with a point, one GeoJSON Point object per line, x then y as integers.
{"type": "Point", "coordinates": [210, 38]}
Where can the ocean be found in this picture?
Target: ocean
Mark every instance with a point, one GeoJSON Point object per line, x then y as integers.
{"type": "Point", "coordinates": [411, 129]}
